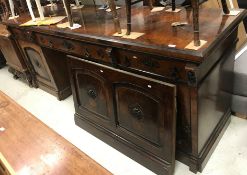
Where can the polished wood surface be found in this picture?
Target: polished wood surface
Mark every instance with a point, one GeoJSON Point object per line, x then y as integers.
{"type": "Point", "coordinates": [241, 29]}
{"type": "Point", "coordinates": [158, 33]}
{"type": "Point", "coordinates": [101, 65]}
{"type": "Point", "coordinates": [111, 119]}
{"type": "Point", "coordinates": [144, 109]}
{"type": "Point", "coordinates": [31, 147]}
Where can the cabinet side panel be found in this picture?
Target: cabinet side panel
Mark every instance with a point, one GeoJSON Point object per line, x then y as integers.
{"type": "Point", "coordinates": [215, 97]}
{"type": "Point", "coordinates": [13, 59]}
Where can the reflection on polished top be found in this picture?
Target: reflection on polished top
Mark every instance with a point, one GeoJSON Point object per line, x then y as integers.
{"type": "Point", "coordinates": [30, 147]}
{"type": "Point", "coordinates": [156, 26]}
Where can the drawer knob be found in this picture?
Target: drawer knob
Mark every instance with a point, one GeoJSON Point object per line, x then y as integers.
{"type": "Point", "coordinates": [136, 111]}
{"type": "Point", "coordinates": [92, 93]}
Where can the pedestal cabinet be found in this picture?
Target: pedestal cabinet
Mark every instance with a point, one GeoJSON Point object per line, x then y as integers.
{"type": "Point", "coordinates": [140, 110]}
{"type": "Point", "coordinates": [48, 68]}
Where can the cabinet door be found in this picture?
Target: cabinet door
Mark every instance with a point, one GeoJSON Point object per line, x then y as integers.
{"type": "Point", "coordinates": [146, 113]}
{"type": "Point", "coordinates": [92, 93]}
{"type": "Point", "coordinates": [144, 108]}
{"type": "Point", "coordinates": [38, 65]}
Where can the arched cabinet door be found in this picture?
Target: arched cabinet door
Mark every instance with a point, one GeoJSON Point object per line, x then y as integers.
{"type": "Point", "coordinates": [92, 94]}
{"type": "Point", "coordinates": [146, 114]}
{"type": "Point", "coordinates": [37, 63]}
{"type": "Point", "coordinates": [141, 110]}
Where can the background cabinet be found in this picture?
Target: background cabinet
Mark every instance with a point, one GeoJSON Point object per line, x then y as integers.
{"type": "Point", "coordinates": [48, 72]}
{"type": "Point", "coordinates": [14, 58]}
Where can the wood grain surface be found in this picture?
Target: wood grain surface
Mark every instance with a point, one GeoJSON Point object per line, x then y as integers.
{"type": "Point", "coordinates": [158, 32]}
{"type": "Point", "coordinates": [31, 147]}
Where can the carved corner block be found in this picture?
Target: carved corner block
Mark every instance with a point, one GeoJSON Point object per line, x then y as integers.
{"type": "Point", "coordinates": [191, 73]}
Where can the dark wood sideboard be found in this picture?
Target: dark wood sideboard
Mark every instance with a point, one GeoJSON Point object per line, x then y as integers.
{"type": "Point", "coordinates": [150, 101]}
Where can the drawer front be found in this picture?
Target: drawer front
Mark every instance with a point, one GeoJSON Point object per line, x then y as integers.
{"type": "Point", "coordinates": [144, 109]}
{"type": "Point", "coordinates": [23, 34]}
{"type": "Point", "coordinates": [88, 51]}
{"type": "Point", "coordinates": [173, 70]}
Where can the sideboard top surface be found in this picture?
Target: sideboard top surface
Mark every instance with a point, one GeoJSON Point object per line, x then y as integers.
{"type": "Point", "coordinates": [156, 26]}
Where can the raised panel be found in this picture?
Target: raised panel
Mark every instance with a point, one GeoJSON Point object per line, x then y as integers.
{"type": "Point", "coordinates": [146, 113]}
{"type": "Point", "coordinates": [138, 112]}
{"type": "Point", "coordinates": [38, 65]}
{"type": "Point", "coordinates": [92, 93]}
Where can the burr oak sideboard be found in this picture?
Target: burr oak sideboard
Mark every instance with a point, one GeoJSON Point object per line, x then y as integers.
{"type": "Point", "coordinates": [149, 97]}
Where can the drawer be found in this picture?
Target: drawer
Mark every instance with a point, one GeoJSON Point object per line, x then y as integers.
{"type": "Point", "coordinates": [174, 70]}
{"type": "Point", "coordinates": [88, 51]}
{"type": "Point", "coordinates": [23, 34]}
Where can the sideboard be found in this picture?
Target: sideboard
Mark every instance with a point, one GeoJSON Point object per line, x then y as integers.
{"type": "Point", "coordinates": [150, 97]}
